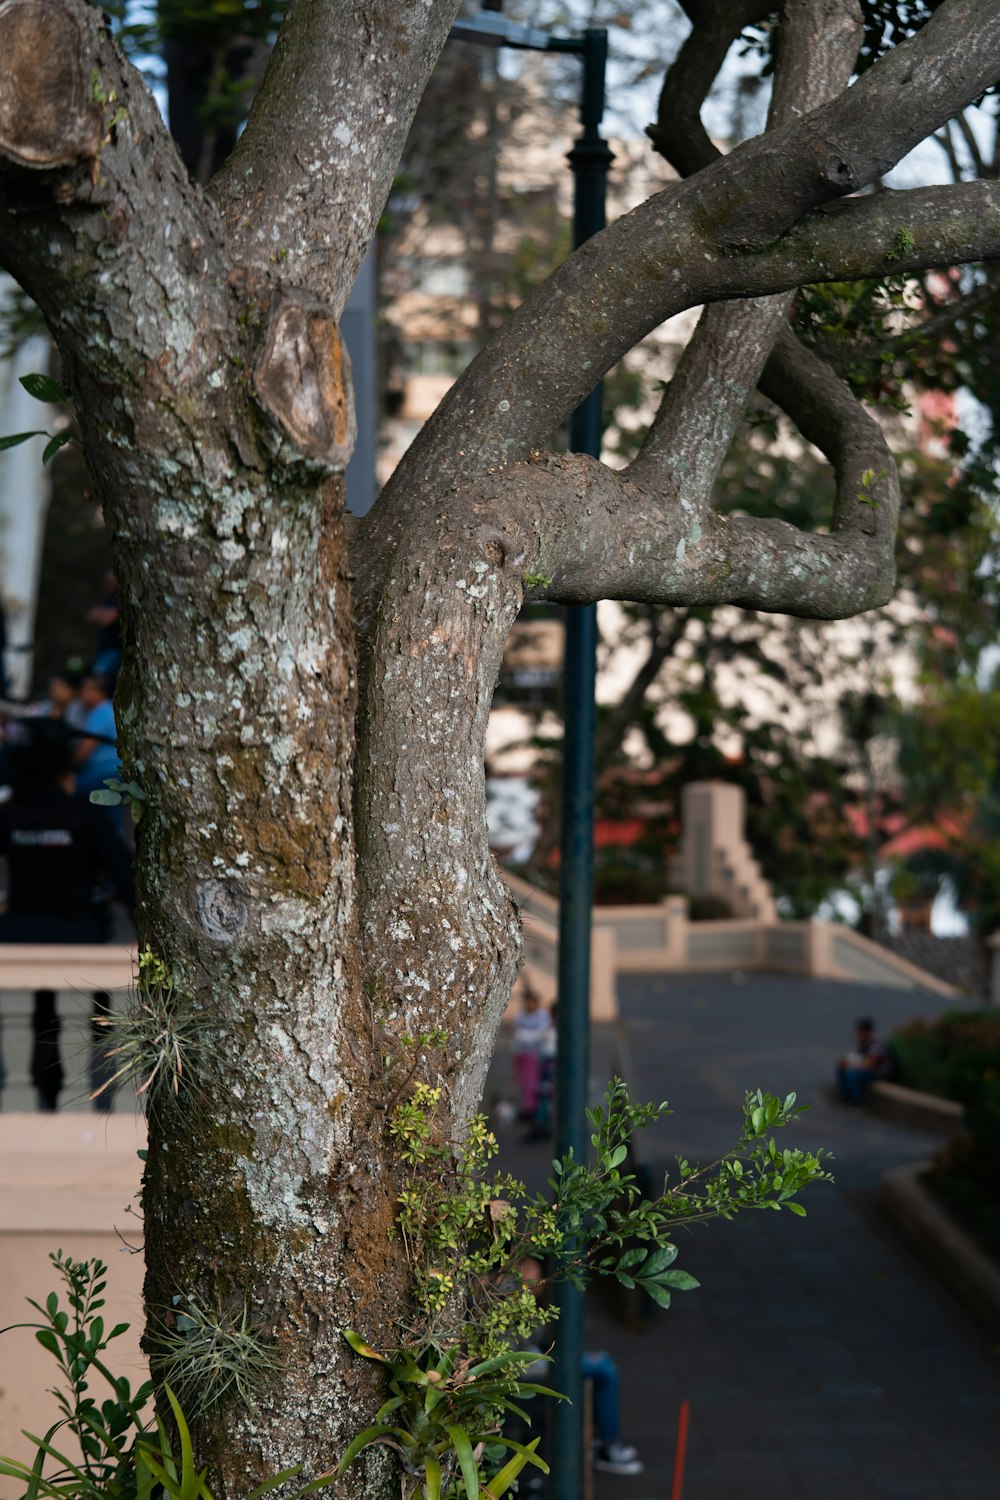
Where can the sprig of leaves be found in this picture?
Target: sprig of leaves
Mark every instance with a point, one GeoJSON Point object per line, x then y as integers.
{"type": "Point", "coordinates": [467, 1234]}
{"type": "Point", "coordinates": [444, 1417]}
{"type": "Point", "coordinates": [115, 792]}
{"type": "Point", "coordinates": [44, 388]}
{"type": "Point", "coordinates": [121, 1458]}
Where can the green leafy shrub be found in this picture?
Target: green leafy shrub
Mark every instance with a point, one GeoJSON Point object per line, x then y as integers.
{"type": "Point", "coordinates": [125, 1454]}
{"type": "Point", "coordinates": [958, 1056]}
{"type": "Point", "coordinates": [630, 877]}
{"type": "Point", "coordinates": [444, 1417]}
{"type": "Point", "coordinates": [954, 1055]}
{"type": "Point", "coordinates": [467, 1233]}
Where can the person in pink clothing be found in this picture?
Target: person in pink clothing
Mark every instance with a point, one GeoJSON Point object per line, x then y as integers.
{"type": "Point", "coordinates": [530, 1030]}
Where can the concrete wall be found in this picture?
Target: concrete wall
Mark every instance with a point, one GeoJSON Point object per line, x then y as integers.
{"type": "Point", "coordinates": [661, 939]}
{"type": "Point", "coordinates": [67, 1182]}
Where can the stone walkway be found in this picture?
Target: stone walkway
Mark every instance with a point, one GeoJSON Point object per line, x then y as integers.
{"type": "Point", "coordinates": [819, 1358]}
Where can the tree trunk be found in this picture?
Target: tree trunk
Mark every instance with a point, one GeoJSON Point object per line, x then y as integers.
{"type": "Point", "coordinates": [314, 870]}
{"type": "Point", "coordinates": [267, 1196]}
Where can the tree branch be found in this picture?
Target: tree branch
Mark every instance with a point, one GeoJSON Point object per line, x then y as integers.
{"type": "Point", "coordinates": [678, 134]}
{"type": "Point", "coordinates": [666, 636]}
{"type": "Point", "coordinates": [971, 144]}
{"type": "Point", "coordinates": [720, 367]}
{"type": "Point", "coordinates": [604, 537]}
{"type": "Point", "coordinates": [679, 248]}
{"type": "Point", "coordinates": [851, 142]}
{"type": "Point", "coordinates": [705, 402]}
{"type": "Point", "coordinates": [311, 172]}
{"type": "Point", "coordinates": [142, 320]}
{"type": "Point", "coordinates": [829, 416]}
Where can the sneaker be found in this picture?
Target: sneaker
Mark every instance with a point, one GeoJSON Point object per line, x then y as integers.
{"type": "Point", "coordinates": [617, 1458]}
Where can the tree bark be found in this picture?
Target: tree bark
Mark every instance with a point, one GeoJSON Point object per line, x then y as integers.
{"type": "Point", "coordinates": [313, 862]}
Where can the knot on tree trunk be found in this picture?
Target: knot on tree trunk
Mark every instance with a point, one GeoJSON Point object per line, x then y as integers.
{"type": "Point", "coordinates": [303, 379]}
{"type": "Point", "coordinates": [49, 116]}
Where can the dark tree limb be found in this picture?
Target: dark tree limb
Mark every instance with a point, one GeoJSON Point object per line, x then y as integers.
{"type": "Point", "coordinates": [665, 634]}
{"type": "Point", "coordinates": [678, 133]}
{"type": "Point", "coordinates": [707, 398]}
{"type": "Point", "coordinates": [507, 404]}
{"type": "Point", "coordinates": [720, 367]}
{"type": "Point", "coordinates": [829, 416]}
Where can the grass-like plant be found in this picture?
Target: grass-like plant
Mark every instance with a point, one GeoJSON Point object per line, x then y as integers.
{"type": "Point", "coordinates": [160, 1047]}
{"type": "Point", "coordinates": [444, 1417]}
{"type": "Point", "coordinates": [206, 1355]}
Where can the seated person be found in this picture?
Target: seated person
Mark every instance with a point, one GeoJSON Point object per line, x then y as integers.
{"type": "Point", "coordinates": [611, 1455]}
{"type": "Point", "coordinates": [870, 1059]}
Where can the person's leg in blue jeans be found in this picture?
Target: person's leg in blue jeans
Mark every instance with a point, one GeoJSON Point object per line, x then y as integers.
{"type": "Point", "coordinates": [853, 1083]}
{"type": "Point", "coordinates": [610, 1454]}
{"type": "Point", "coordinates": [601, 1369]}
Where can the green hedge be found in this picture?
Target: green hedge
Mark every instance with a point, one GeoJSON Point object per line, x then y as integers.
{"type": "Point", "coordinates": [958, 1056]}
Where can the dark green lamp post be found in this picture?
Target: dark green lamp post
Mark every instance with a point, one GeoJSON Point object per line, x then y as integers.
{"type": "Point", "coordinates": [589, 160]}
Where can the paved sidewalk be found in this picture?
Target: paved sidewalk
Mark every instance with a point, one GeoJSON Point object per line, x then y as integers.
{"type": "Point", "coordinates": [819, 1358]}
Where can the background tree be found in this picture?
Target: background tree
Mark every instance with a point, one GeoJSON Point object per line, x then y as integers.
{"type": "Point", "coordinates": [304, 702]}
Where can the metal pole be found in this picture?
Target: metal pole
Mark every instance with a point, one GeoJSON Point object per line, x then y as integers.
{"type": "Point", "coordinates": [589, 159]}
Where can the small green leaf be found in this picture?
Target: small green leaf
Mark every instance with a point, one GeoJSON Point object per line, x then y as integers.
{"type": "Point", "coordinates": [632, 1258]}
{"type": "Point", "coordinates": [682, 1281]}
{"type": "Point", "coordinates": [796, 1208]}
{"type": "Point", "coordinates": [660, 1259]}
{"type": "Point", "coordinates": [272, 1484]}
{"type": "Point", "coordinates": [504, 1478]}
{"type": "Point", "coordinates": [103, 797]}
{"type": "Point", "coordinates": [54, 444]}
{"type": "Point", "coordinates": [358, 1344]}
{"type": "Point", "coordinates": [48, 1340]}
{"type": "Point", "coordinates": [14, 438]}
{"type": "Point", "coordinates": [378, 1433]}
{"type": "Point", "coordinates": [190, 1478]}
{"type": "Point", "coordinates": [658, 1293]}
{"type": "Point", "coordinates": [44, 388]}
{"type": "Point", "coordinates": [322, 1483]}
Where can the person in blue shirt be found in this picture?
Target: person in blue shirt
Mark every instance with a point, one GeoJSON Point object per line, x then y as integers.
{"type": "Point", "coordinates": [95, 753]}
